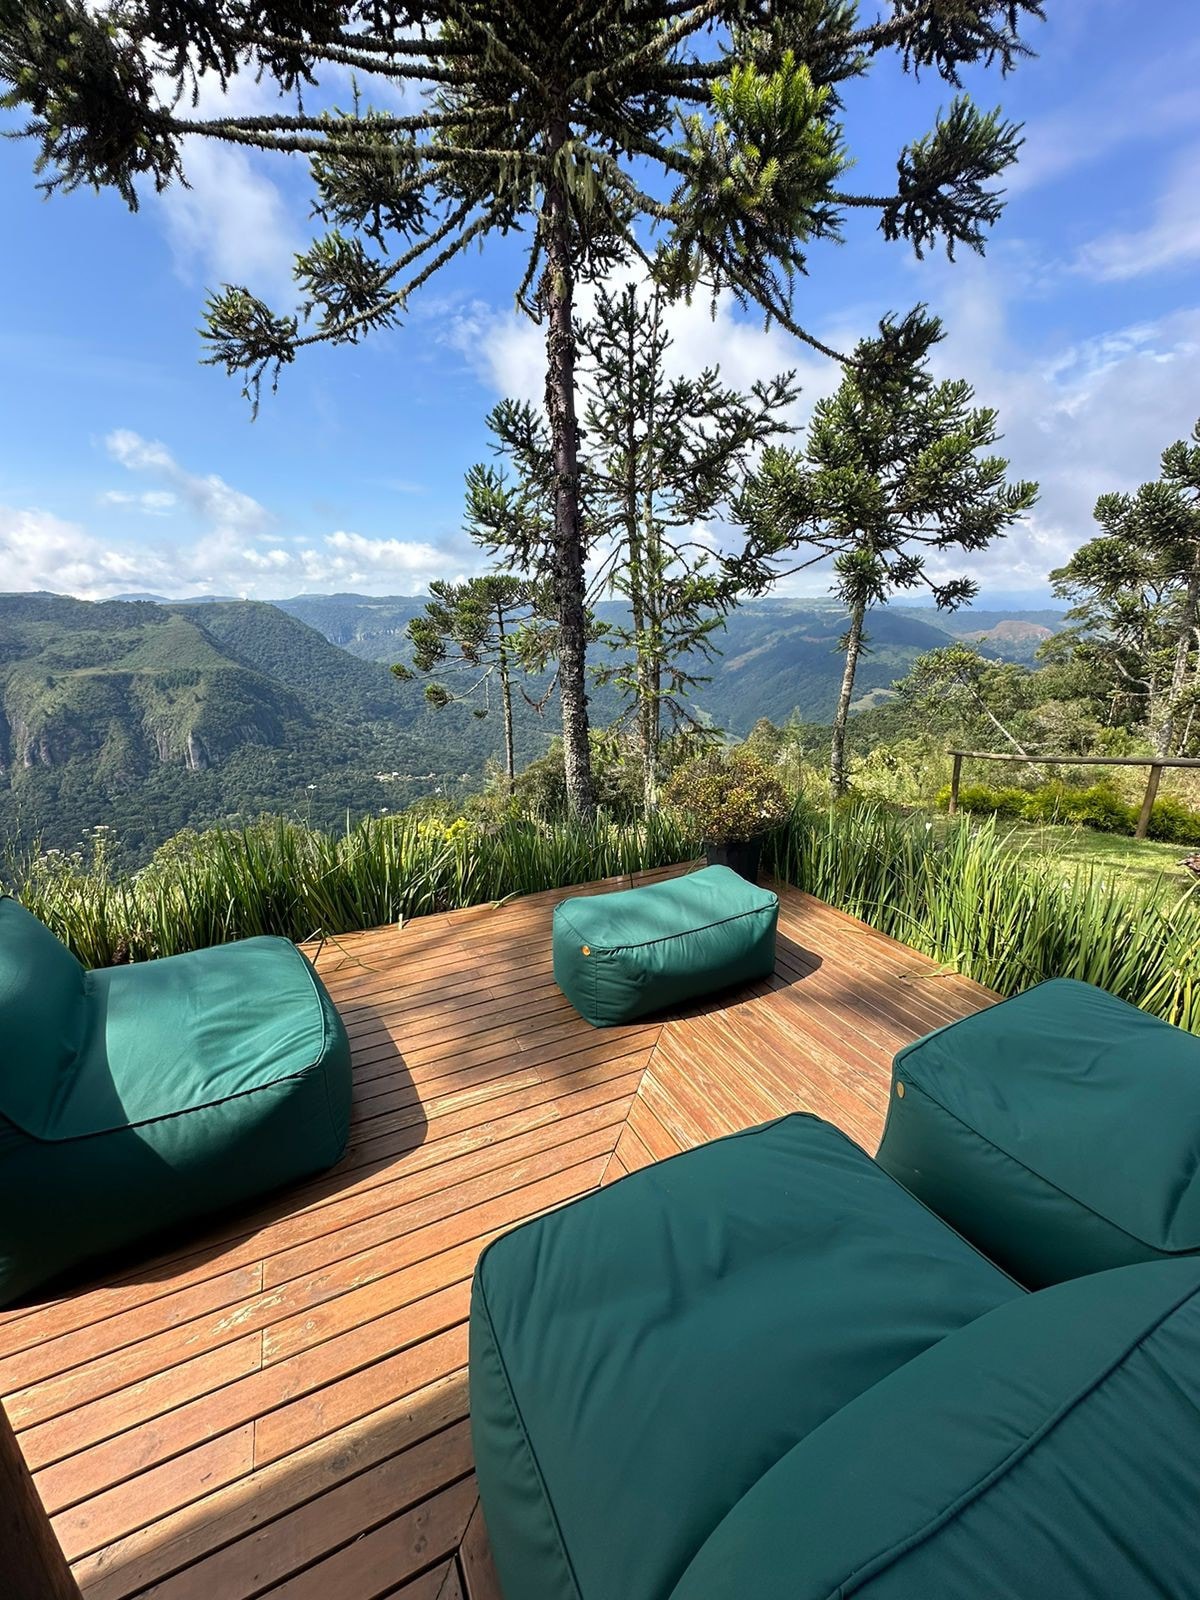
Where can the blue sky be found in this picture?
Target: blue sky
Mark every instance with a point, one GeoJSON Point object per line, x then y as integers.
{"type": "Point", "coordinates": [125, 465]}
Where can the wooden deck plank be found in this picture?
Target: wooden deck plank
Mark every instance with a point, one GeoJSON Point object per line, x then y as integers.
{"type": "Point", "coordinates": [278, 1406]}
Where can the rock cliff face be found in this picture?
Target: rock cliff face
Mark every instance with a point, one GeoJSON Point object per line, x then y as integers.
{"type": "Point", "coordinates": [130, 685]}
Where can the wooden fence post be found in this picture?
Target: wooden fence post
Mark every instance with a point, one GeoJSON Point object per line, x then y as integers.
{"type": "Point", "coordinates": [1152, 783]}
{"type": "Point", "coordinates": [955, 776]}
{"type": "Point", "coordinates": [32, 1565]}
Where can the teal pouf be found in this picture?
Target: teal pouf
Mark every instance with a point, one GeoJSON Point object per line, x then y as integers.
{"type": "Point", "coordinates": [1059, 1131]}
{"type": "Point", "coordinates": [641, 1357]}
{"type": "Point", "coordinates": [1049, 1450]}
{"type": "Point", "coordinates": [620, 956]}
{"type": "Point", "coordinates": [136, 1098]}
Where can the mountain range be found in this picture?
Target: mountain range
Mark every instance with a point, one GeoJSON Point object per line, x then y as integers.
{"type": "Point", "coordinates": [148, 715]}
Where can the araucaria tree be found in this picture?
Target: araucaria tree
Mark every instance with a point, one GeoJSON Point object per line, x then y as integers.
{"type": "Point", "coordinates": [477, 630]}
{"type": "Point", "coordinates": [664, 456]}
{"type": "Point", "coordinates": [890, 480]}
{"type": "Point", "coordinates": [659, 457]}
{"type": "Point", "coordinates": [1136, 589]}
{"type": "Point", "coordinates": [580, 123]}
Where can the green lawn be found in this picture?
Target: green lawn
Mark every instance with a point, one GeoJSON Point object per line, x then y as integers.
{"type": "Point", "coordinates": [1145, 863]}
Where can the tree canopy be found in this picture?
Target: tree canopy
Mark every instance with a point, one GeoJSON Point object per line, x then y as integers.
{"type": "Point", "coordinates": [1136, 588]}
{"type": "Point", "coordinates": [889, 484]}
{"type": "Point", "coordinates": [704, 138]}
{"type": "Point", "coordinates": [478, 627]}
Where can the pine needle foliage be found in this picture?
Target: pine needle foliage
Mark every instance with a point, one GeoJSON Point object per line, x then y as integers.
{"type": "Point", "coordinates": [705, 138]}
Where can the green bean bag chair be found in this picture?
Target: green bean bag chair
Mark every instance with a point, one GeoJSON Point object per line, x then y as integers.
{"type": "Point", "coordinates": [641, 1357]}
{"type": "Point", "coordinates": [136, 1098]}
{"type": "Point", "coordinates": [762, 1369]}
{"type": "Point", "coordinates": [1049, 1450]}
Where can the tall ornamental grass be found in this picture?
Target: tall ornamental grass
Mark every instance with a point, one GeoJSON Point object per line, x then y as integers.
{"type": "Point", "coordinates": [966, 899]}
{"type": "Point", "coordinates": [957, 894]}
{"type": "Point", "coordinates": [283, 877]}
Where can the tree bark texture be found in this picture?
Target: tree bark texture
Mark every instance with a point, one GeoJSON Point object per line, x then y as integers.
{"type": "Point", "coordinates": [557, 295]}
{"type": "Point", "coordinates": [839, 778]}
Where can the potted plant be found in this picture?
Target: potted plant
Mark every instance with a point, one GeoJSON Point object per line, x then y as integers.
{"type": "Point", "coordinates": [731, 799]}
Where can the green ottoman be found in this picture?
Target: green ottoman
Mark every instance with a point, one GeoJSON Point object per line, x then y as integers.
{"type": "Point", "coordinates": [1058, 1131]}
{"type": "Point", "coordinates": [140, 1097]}
{"type": "Point", "coordinates": [641, 1357]}
{"type": "Point", "coordinates": [619, 956]}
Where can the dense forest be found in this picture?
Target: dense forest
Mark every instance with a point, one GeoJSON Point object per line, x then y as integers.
{"type": "Point", "coordinates": [147, 717]}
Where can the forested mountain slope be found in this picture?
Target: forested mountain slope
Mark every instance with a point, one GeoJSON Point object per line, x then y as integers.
{"type": "Point", "coordinates": [149, 716]}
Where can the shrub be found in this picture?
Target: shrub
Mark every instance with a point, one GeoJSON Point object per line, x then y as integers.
{"type": "Point", "coordinates": [1174, 822]}
{"type": "Point", "coordinates": [982, 800]}
{"type": "Point", "coordinates": [1098, 806]}
{"type": "Point", "coordinates": [726, 796]}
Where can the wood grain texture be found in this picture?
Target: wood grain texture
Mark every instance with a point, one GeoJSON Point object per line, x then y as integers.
{"type": "Point", "coordinates": [278, 1405]}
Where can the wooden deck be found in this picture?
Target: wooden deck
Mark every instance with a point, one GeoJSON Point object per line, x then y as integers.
{"type": "Point", "coordinates": [280, 1408]}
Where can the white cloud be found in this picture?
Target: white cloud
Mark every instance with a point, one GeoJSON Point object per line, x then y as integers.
{"type": "Point", "coordinates": [207, 495]}
{"type": "Point", "coordinates": [1156, 101]}
{"type": "Point", "coordinates": [1170, 239]}
{"type": "Point", "coordinates": [235, 546]}
{"type": "Point", "coordinates": [231, 222]}
{"type": "Point", "coordinates": [152, 502]}
{"type": "Point", "coordinates": [1080, 418]}
{"type": "Point", "coordinates": [41, 551]}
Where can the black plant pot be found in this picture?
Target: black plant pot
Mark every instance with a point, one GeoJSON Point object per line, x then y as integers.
{"type": "Point", "coordinates": [742, 855]}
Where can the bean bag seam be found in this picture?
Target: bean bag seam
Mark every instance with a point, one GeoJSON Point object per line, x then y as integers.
{"type": "Point", "coordinates": [1040, 1177]}
{"type": "Point", "coordinates": [643, 944]}
{"type": "Point", "coordinates": [166, 1116]}
{"type": "Point", "coordinates": [520, 1420]}
{"type": "Point", "coordinates": [888, 1558]}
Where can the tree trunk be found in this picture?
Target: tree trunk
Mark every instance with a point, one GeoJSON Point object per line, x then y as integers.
{"type": "Point", "coordinates": [557, 296]}
{"type": "Point", "coordinates": [506, 707]}
{"type": "Point", "coordinates": [650, 665]}
{"type": "Point", "coordinates": [839, 780]}
{"type": "Point", "coordinates": [636, 572]}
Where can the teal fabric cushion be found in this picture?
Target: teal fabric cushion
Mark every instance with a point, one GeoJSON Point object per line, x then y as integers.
{"type": "Point", "coordinates": [1048, 1451]}
{"type": "Point", "coordinates": [619, 956]}
{"type": "Point", "coordinates": [640, 1358]}
{"type": "Point", "coordinates": [44, 1016]}
{"type": "Point", "coordinates": [155, 1093]}
{"type": "Point", "coordinates": [1059, 1131]}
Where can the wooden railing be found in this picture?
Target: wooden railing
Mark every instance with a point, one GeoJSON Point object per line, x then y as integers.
{"type": "Point", "coordinates": [1157, 765]}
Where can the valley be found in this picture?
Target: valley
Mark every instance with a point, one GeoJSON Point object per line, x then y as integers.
{"type": "Point", "coordinates": [148, 716]}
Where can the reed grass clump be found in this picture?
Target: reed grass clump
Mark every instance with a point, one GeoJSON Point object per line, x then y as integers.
{"type": "Point", "coordinates": [956, 892]}
{"type": "Point", "coordinates": [282, 877]}
{"type": "Point", "coordinates": [961, 895]}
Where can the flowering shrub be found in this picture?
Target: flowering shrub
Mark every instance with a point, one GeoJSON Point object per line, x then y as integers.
{"type": "Point", "coordinates": [727, 796]}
